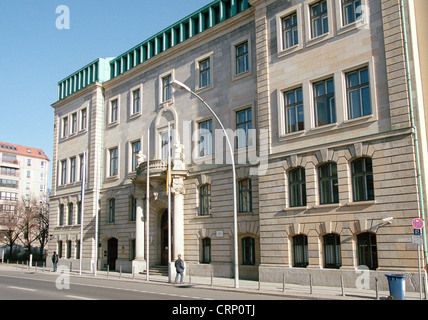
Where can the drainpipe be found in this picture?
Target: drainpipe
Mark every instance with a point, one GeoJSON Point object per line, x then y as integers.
{"type": "Point", "coordinates": [415, 131]}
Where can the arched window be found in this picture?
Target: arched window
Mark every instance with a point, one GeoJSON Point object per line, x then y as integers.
{"type": "Point", "coordinates": [362, 179]}
{"type": "Point", "coordinates": [367, 250]}
{"type": "Point", "coordinates": [297, 187]}
{"type": "Point", "coordinates": [245, 196]}
{"type": "Point", "coordinates": [206, 250]}
{"type": "Point", "coordinates": [332, 255]}
{"type": "Point", "coordinates": [248, 251]}
{"type": "Point", "coordinates": [328, 183]}
{"type": "Point", "coordinates": [300, 251]}
{"type": "Point", "coordinates": [205, 200]}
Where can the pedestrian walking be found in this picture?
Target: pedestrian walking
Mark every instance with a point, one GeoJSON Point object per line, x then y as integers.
{"type": "Point", "coordinates": [179, 267]}
{"type": "Point", "coordinates": [55, 260]}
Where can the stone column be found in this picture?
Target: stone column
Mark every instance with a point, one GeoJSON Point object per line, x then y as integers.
{"type": "Point", "coordinates": [139, 263]}
{"type": "Point", "coordinates": [178, 225]}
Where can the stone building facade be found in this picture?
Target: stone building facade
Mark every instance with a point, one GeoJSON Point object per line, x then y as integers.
{"type": "Point", "coordinates": [316, 98]}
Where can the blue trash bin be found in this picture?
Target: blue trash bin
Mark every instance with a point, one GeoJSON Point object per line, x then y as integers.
{"type": "Point", "coordinates": [397, 286]}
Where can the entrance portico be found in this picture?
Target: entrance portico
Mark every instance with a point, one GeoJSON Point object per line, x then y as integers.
{"type": "Point", "coordinates": [158, 215]}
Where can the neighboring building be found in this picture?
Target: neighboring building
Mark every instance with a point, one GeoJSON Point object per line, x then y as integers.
{"type": "Point", "coordinates": [324, 86]}
{"type": "Point", "coordinates": [24, 173]}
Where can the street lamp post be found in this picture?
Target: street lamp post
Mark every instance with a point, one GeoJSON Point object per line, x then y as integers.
{"type": "Point", "coordinates": [180, 85]}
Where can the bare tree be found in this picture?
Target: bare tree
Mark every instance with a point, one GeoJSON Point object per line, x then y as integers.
{"type": "Point", "coordinates": [28, 210]}
{"type": "Point", "coordinates": [43, 223]}
{"type": "Point", "coordinates": [11, 226]}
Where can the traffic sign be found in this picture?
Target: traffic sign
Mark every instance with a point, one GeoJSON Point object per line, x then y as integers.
{"type": "Point", "coordinates": [416, 232]}
{"type": "Point", "coordinates": [418, 223]}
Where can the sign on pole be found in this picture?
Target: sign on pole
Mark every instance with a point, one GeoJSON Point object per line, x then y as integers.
{"type": "Point", "coordinates": [418, 223]}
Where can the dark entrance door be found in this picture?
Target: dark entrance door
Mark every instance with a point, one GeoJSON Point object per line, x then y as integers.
{"type": "Point", "coordinates": [164, 239]}
{"type": "Point", "coordinates": [112, 253]}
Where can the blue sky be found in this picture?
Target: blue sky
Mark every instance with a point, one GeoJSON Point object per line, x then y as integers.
{"type": "Point", "coordinates": [35, 55]}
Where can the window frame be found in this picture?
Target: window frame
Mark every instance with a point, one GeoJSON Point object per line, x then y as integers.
{"type": "Point", "coordinates": [367, 191]}
{"type": "Point", "coordinates": [234, 57]}
{"type": "Point", "coordinates": [296, 105]}
{"type": "Point", "coordinates": [245, 193]}
{"type": "Point", "coordinates": [328, 99]}
{"type": "Point", "coordinates": [198, 73]}
{"type": "Point", "coordinates": [111, 210]}
{"type": "Point", "coordinates": [113, 168]}
{"type": "Point", "coordinates": [359, 87]}
{"type": "Point", "coordinates": [207, 134]}
{"type": "Point", "coordinates": [206, 250]}
{"type": "Point", "coordinates": [301, 184]}
{"type": "Point", "coordinates": [205, 200]}
{"type": "Point", "coordinates": [244, 126]}
{"type": "Point", "coordinates": [248, 251]}
{"type": "Point", "coordinates": [332, 251]}
{"type": "Point", "coordinates": [367, 252]}
{"type": "Point", "coordinates": [300, 251]}
{"type": "Point", "coordinates": [332, 191]}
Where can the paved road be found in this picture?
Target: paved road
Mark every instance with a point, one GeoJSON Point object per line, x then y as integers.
{"type": "Point", "coordinates": [24, 285]}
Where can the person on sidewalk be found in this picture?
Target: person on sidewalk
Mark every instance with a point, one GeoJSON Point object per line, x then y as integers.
{"type": "Point", "coordinates": [55, 260]}
{"type": "Point", "coordinates": [179, 267]}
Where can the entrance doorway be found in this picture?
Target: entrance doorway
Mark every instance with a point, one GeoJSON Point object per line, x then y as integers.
{"type": "Point", "coordinates": [164, 238]}
{"type": "Point", "coordinates": [112, 253]}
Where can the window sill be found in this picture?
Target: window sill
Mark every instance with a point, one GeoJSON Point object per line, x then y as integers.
{"type": "Point", "coordinates": [135, 116]}
{"type": "Point", "coordinates": [325, 127]}
{"type": "Point", "coordinates": [360, 203]}
{"type": "Point", "coordinates": [204, 217]}
{"type": "Point", "coordinates": [359, 119]}
{"type": "Point", "coordinates": [112, 124]}
{"type": "Point", "coordinates": [289, 51]}
{"type": "Point", "coordinates": [292, 135]}
{"type": "Point", "coordinates": [327, 206]}
{"type": "Point", "coordinates": [319, 39]}
{"type": "Point", "coordinates": [303, 208]}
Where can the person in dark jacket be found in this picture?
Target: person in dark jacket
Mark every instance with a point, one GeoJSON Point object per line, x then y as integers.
{"type": "Point", "coordinates": [55, 261]}
{"type": "Point", "coordinates": [179, 267]}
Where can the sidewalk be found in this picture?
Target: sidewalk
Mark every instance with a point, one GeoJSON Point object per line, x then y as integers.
{"type": "Point", "coordinates": [247, 286]}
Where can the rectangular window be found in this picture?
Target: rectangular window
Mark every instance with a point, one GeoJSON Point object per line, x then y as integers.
{"type": "Point", "coordinates": [166, 89]}
{"type": "Point", "coordinates": [204, 73]}
{"type": "Point", "coordinates": [242, 58]}
{"type": "Point", "coordinates": [79, 212]}
{"type": "Point", "coordinates": [205, 138]}
{"type": "Point", "coordinates": [352, 11]}
{"type": "Point", "coordinates": [136, 101]}
{"type": "Point", "coordinates": [297, 187]}
{"type": "Point", "coordinates": [358, 93]}
{"type": "Point", "coordinates": [248, 251]}
{"type": "Point", "coordinates": [205, 200]}
{"type": "Point", "coordinates": [136, 147]}
{"type": "Point", "coordinates": [61, 215]}
{"type": "Point", "coordinates": [133, 208]}
{"type": "Point", "coordinates": [83, 119]}
{"type": "Point", "coordinates": [113, 162]}
{"type": "Point", "coordinates": [319, 18]}
{"type": "Point", "coordinates": [290, 31]}
{"type": "Point", "coordinates": [325, 108]}
{"type": "Point", "coordinates": [294, 119]}
{"type": "Point", "coordinates": [243, 125]}
{"type": "Point", "coordinates": [70, 214]}
{"type": "Point", "coordinates": [73, 123]}
{"type": "Point", "coordinates": [73, 170]}
{"type": "Point", "coordinates": [64, 127]}
{"type": "Point", "coordinates": [328, 183]}
{"type": "Point", "coordinates": [111, 210]}
{"type": "Point", "coordinates": [164, 145]}
{"type": "Point", "coordinates": [245, 196]}
{"type": "Point", "coordinates": [114, 111]}
{"type": "Point", "coordinates": [63, 172]}
{"type": "Point", "coordinates": [81, 167]}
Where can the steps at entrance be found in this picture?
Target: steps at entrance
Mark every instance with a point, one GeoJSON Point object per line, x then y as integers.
{"type": "Point", "coordinates": [157, 271]}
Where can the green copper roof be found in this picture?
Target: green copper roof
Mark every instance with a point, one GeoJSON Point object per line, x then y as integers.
{"type": "Point", "coordinates": [102, 70]}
